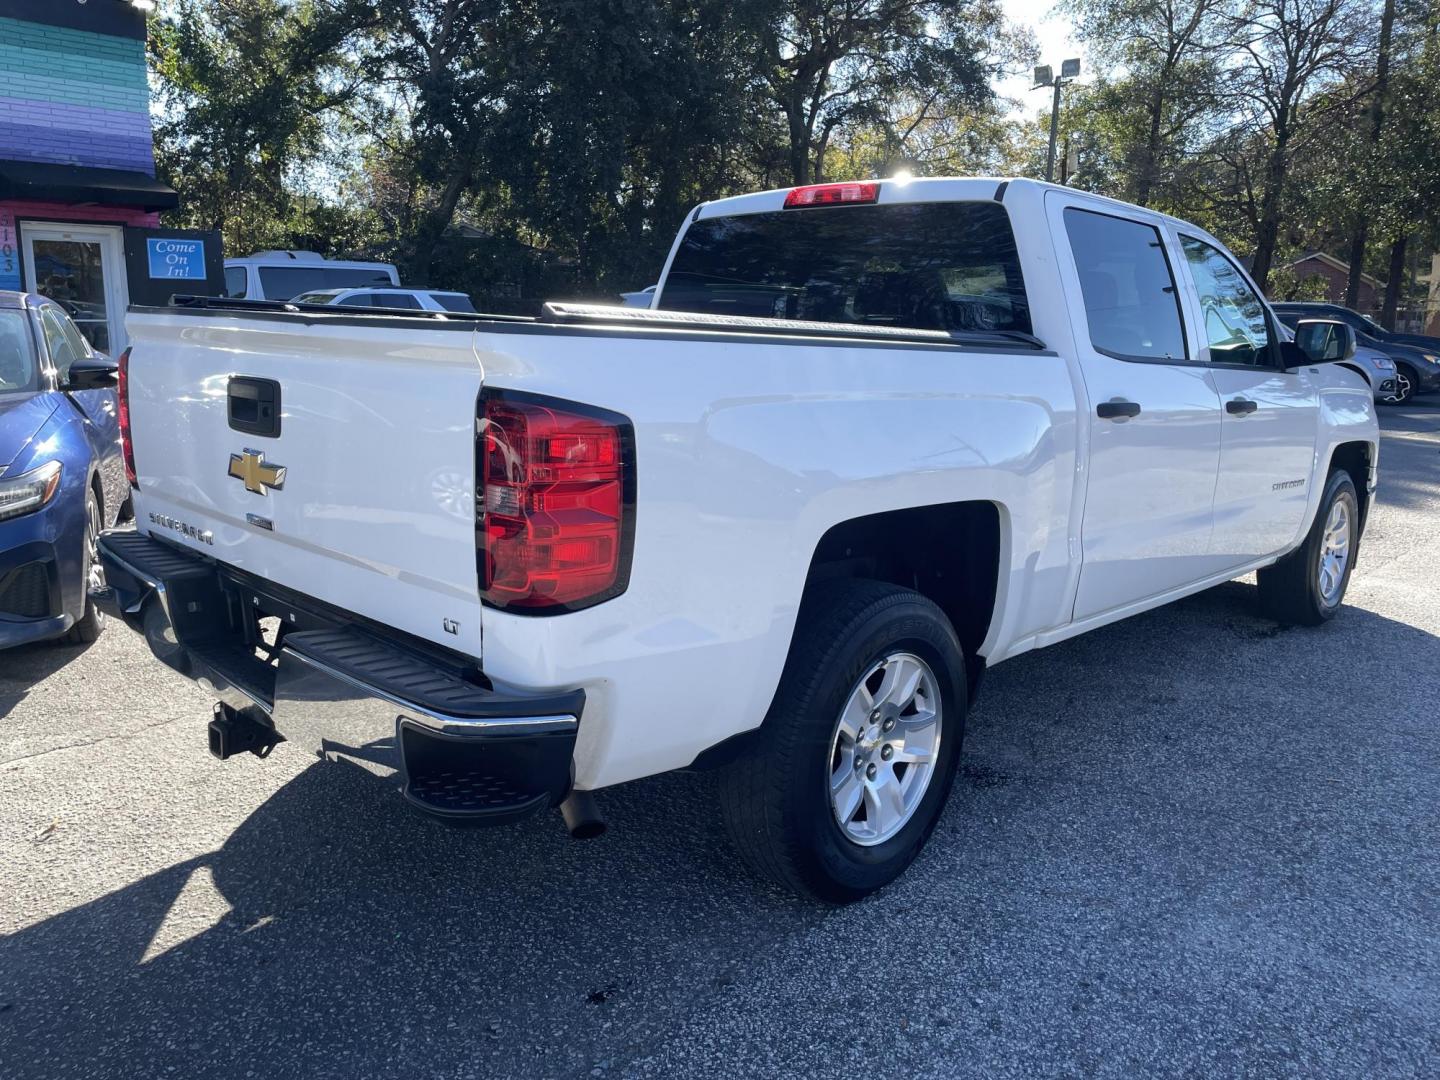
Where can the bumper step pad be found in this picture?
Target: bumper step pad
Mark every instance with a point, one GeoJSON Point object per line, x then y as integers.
{"type": "Point", "coordinates": [426, 719]}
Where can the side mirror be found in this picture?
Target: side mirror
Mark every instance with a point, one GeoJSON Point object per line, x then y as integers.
{"type": "Point", "coordinates": [1325, 341]}
{"type": "Point", "coordinates": [93, 373]}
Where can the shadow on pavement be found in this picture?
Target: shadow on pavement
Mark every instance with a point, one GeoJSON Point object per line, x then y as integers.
{"type": "Point", "coordinates": [1195, 761]}
{"type": "Point", "coordinates": [23, 667]}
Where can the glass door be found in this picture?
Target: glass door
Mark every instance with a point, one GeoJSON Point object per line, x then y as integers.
{"type": "Point", "coordinates": [81, 268]}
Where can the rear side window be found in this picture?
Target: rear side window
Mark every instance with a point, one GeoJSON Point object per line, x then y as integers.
{"type": "Point", "coordinates": [1130, 299]}
{"type": "Point", "coordinates": [394, 300]}
{"type": "Point", "coordinates": [283, 282]}
{"type": "Point", "coordinates": [927, 266]}
{"type": "Point", "coordinates": [454, 301]}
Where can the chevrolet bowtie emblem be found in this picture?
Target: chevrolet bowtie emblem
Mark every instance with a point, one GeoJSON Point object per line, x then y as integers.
{"type": "Point", "coordinates": [251, 469]}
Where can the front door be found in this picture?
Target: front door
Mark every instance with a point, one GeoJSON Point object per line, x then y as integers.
{"type": "Point", "coordinates": [1267, 443]}
{"type": "Point", "coordinates": [1154, 415]}
{"type": "Point", "coordinates": [81, 268]}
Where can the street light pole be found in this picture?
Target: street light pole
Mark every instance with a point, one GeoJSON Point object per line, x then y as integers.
{"type": "Point", "coordinates": [1054, 129]}
{"type": "Point", "coordinates": [1069, 70]}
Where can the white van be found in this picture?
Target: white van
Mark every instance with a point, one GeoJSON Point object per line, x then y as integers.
{"type": "Point", "coordinates": [279, 275]}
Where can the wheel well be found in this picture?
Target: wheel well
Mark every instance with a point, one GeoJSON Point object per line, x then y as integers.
{"type": "Point", "coordinates": [1354, 458]}
{"type": "Point", "coordinates": [99, 490]}
{"type": "Point", "coordinates": [949, 553]}
{"type": "Point", "coordinates": [1358, 371]}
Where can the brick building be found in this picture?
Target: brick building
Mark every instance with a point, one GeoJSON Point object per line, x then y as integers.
{"type": "Point", "coordinates": [79, 202]}
{"type": "Point", "coordinates": [1336, 275]}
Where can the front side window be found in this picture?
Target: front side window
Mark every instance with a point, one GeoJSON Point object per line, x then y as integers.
{"type": "Point", "coordinates": [1130, 298]}
{"type": "Point", "coordinates": [63, 351]}
{"type": "Point", "coordinates": [1235, 325]}
{"type": "Point", "coordinates": [235, 282]}
{"type": "Point", "coordinates": [19, 371]}
{"type": "Point", "coordinates": [927, 266]}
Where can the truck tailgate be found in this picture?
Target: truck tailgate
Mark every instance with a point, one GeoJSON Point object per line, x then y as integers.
{"type": "Point", "coordinates": [374, 510]}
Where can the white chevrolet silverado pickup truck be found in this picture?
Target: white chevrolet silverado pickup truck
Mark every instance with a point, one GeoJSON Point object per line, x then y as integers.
{"type": "Point", "coordinates": [869, 439]}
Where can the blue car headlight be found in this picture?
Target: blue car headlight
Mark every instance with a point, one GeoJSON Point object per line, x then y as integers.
{"type": "Point", "coordinates": [28, 491]}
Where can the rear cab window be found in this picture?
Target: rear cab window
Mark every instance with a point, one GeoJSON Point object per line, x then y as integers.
{"type": "Point", "coordinates": [948, 266]}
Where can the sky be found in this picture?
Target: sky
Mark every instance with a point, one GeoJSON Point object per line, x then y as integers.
{"type": "Point", "coordinates": [1053, 35]}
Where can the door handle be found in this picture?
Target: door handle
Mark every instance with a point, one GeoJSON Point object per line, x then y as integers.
{"type": "Point", "coordinates": [1117, 409]}
{"type": "Point", "coordinates": [1240, 406]}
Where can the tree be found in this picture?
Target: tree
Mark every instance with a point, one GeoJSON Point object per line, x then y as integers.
{"type": "Point", "coordinates": [833, 63]}
{"type": "Point", "coordinates": [243, 89]}
{"type": "Point", "coordinates": [1361, 235]}
{"type": "Point", "coordinates": [1170, 53]}
{"type": "Point", "coordinates": [1287, 49]}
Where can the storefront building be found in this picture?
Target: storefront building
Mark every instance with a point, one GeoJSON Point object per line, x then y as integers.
{"type": "Point", "coordinates": [79, 202]}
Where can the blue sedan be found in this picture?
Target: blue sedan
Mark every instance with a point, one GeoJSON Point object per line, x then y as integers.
{"type": "Point", "coordinates": [61, 477]}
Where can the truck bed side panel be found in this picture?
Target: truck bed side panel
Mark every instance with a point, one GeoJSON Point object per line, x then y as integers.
{"type": "Point", "coordinates": [747, 453]}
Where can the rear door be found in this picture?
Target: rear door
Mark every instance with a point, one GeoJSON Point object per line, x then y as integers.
{"type": "Point", "coordinates": [334, 455]}
{"type": "Point", "coordinates": [1154, 416]}
{"type": "Point", "coordinates": [1270, 417]}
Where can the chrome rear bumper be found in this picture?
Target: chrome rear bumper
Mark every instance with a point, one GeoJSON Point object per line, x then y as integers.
{"type": "Point", "coordinates": [427, 722]}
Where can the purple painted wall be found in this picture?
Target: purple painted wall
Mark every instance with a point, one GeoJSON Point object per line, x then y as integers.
{"type": "Point", "coordinates": [73, 97]}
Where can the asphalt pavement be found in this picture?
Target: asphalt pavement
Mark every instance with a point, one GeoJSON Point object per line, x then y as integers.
{"type": "Point", "coordinates": [1192, 843]}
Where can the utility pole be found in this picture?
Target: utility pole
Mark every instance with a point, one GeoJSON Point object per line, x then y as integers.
{"type": "Point", "coordinates": [1069, 70]}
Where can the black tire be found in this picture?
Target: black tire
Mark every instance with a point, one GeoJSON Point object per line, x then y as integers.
{"type": "Point", "coordinates": [87, 628]}
{"type": "Point", "coordinates": [775, 800]}
{"type": "Point", "coordinates": [1290, 590]}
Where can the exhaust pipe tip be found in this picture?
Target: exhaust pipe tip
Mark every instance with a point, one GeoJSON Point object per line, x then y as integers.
{"type": "Point", "coordinates": [582, 816]}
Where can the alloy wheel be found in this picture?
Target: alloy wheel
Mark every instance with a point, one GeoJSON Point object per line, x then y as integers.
{"type": "Point", "coordinates": [884, 750]}
{"type": "Point", "coordinates": [1334, 553]}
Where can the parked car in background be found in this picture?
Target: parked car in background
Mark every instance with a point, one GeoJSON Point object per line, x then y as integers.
{"type": "Point", "coordinates": [1362, 324]}
{"type": "Point", "coordinates": [280, 275]}
{"type": "Point", "coordinates": [61, 477]}
{"type": "Point", "coordinates": [402, 299]}
{"type": "Point", "coordinates": [1417, 368]}
{"type": "Point", "coordinates": [1377, 369]}
{"type": "Point", "coordinates": [639, 298]}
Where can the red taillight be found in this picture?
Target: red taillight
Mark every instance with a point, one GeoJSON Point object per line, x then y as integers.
{"type": "Point", "coordinates": [556, 502]}
{"type": "Point", "coordinates": [122, 392]}
{"type": "Point", "coordinates": [832, 195]}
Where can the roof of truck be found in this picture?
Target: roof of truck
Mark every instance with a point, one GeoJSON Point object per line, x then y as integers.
{"type": "Point", "coordinates": [918, 189]}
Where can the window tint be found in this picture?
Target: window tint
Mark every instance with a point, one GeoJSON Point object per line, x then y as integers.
{"type": "Point", "coordinates": [454, 301]}
{"type": "Point", "coordinates": [63, 351]}
{"type": "Point", "coordinates": [18, 369]}
{"type": "Point", "coordinates": [235, 282]}
{"type": "Point", "coordinates": [394, 300]}
{"type": "Point", "coordinates": [283, 282]}
{"type": "Point", "coordinates": [1235, 326]}
{"type": "Point", "coordinates": [928, 266]}
{"type": "Point", "coordinates": [1130, 300]}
